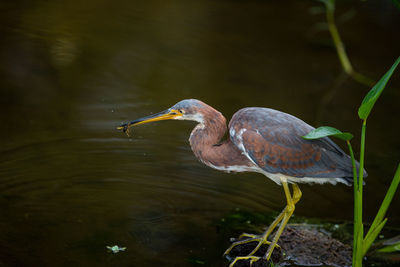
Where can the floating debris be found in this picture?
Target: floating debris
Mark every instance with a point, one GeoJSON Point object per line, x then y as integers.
{"type": "Point", "coordinates": [115, 249]}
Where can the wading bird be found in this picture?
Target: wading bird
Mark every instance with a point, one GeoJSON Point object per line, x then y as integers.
{"type": "Point", "coordinates": [260, 140]}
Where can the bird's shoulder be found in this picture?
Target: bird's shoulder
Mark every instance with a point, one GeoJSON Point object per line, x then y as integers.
{"type": "Point", "coordinates": [269, 122]}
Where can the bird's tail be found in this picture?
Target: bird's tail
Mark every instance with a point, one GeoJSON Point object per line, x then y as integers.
{"type": "Point", "coordinates": [349, 170]}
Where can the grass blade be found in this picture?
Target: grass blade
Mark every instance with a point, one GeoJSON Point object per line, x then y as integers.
{"type": "Point", "coordinates": [390, 248]}
{"type": "Point", "coordinates": [386, 202]}
{"type": "Point", "coordinates": [372, 236]}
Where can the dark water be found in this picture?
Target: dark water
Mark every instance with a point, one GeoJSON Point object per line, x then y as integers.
{"type": "Point", "coordinates": [71, 71]}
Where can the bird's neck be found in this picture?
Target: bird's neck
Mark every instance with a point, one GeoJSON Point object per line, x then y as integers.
{"type": "Point", "coordinates": [207, 145]}
{"type": "Point", "coordinates": [209, 132]}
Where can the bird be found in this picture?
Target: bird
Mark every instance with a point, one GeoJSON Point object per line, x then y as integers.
{"type": "Point", "coordinates": [265, 141]}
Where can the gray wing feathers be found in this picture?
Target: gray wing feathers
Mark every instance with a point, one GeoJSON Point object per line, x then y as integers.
{"type": "Point", "coordinates": [273, 140]}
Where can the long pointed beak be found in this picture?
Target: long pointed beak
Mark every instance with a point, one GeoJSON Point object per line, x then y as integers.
{"type": "Point", "coordinates": [168, 114]}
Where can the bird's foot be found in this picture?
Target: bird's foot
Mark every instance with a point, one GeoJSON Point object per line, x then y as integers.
{"type": "Point", "coordinates": [252, 259]}
{"type": "Point", "coordinates": [249, 238]}
{"type": "Point", "coordinates": [246, 235]}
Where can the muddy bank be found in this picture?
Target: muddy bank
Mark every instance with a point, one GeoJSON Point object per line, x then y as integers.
{"type": "Point", "coordinates": [301, 245]}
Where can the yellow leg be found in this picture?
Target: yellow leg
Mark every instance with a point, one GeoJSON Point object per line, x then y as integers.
{"type": "Point", "coordinates": [251, 258]}
{"type": "Point", "coordinates": [296, 193]}
{"type": "Point", "coordinates": [288, 211]}
{"type": "Point", "coordinates": [284, 216]}
{"type": "Point", "coordinates": [262, 239]}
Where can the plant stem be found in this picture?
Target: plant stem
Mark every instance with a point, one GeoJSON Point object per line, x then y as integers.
{"type": "Point", "coordinates": [359, 255]}
{"type": "Point", "coordinates": [356, 219]}
{"type": "Point", "coordinates": [344, 60]}
{"type": "Point", "coordinates": [363, 79]}
{"type": "Point", "coordinates": [362, 150]}
{"type": "Point", "coordinates": [359, 199]}
{"type": "Point", "coordinates": [339, 45]}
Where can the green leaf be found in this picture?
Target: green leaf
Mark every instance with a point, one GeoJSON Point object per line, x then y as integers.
{"type": "Point", "coordinates": [391, 248]}
{"type": "Point", "coordinates": [325, 131]}
{"type": "Point", "coordinates": [373, 95]}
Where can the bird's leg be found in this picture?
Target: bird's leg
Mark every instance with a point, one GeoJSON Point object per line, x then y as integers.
{"type": "Point", "coordinates": [262, 239]}
{"type": "Point", "coordinates": [251, 258]}
{"type": "Point", "coordinates": [296, 193]}
{"type": "Point", "coordinates": [288, 211]}
{"type": "Point", "coordinates": [284, 216]}
{"type": "Point", "coordinates": [295, 198]}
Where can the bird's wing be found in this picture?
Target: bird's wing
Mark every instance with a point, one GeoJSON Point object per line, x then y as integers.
{"type": "Point", "coordinates": [273, 141]}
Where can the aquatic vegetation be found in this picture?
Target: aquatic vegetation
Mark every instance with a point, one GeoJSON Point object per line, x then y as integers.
{"type": "Point", "coordinates": [340, 47]}
{"type": "Point", "coordinates": [361, 244]}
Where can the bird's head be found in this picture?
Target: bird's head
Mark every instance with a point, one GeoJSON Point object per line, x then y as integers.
{"type": "Point", "coordinates": [188, 109]}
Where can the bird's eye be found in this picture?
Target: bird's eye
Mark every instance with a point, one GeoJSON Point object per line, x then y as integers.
{"type": "Point", "coordinates": [180, 111]}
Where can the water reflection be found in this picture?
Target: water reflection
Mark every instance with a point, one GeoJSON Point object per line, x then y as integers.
{"type": "Point", "coordinates": [70, 184]}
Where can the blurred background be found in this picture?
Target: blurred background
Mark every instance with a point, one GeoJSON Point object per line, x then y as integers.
{"type": "Point", "coordinates": [72, 71]}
